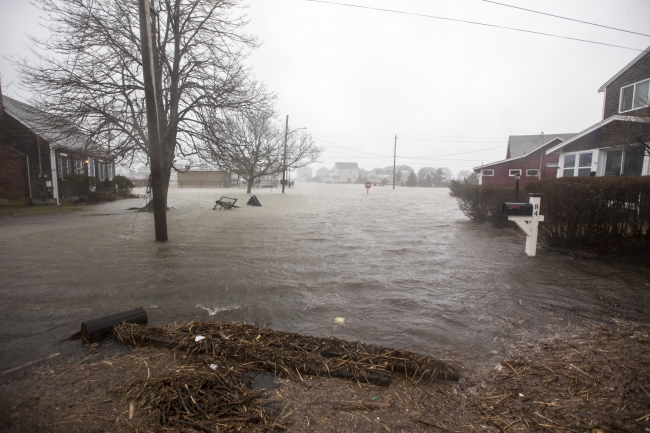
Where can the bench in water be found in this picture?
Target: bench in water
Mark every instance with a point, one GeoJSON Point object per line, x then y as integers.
{"type": "Point", "coordinates": [224, 204]}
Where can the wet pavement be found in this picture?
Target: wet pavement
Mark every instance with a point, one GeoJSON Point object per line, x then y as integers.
{"type": "Point", "coordinates": [404, 268]}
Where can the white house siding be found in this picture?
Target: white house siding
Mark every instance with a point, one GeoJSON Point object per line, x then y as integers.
{"type": "Point", "coordinates": [303, 174]}
{"type": "Point", "coordinates": [598, 161]}
{"type": "Point", "coordinates": [344, 172]}
{"type": "Point", "coordinates": [344, 175]}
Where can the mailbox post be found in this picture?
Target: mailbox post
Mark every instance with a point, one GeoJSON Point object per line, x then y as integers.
{"type": "Point", "coordinates": [527, 218]}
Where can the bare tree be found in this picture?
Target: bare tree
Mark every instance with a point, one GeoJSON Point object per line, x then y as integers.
{"type": "Point", "coordinates": [89, 72]}
{"type": "Point", "coordinates": [251, 144]}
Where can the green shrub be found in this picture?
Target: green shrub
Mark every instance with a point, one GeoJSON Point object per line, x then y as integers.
{"type": "Point", "coordinates": [82, 185]}
{"type": "Point", "coordinates": [604, 215]}
{"type": "Point", "coordinates": [483, 203]}
{"type": "Point", "coordinates": [595, 212]}
{"type": "Point", "coordinates": [124, 185]}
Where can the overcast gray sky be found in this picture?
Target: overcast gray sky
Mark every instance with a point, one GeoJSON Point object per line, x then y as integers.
{"type": "Point", "coordinates": [451, 91]}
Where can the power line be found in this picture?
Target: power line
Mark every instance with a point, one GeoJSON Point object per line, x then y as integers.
{"type": "Point", "coordinates": [566, 18]}
{"type": "Point", "coordinates": [391, 134]}
{"type": "Point", "coordinates": [495, 140]}
{"type": "Point", "coordinates": [473, 22]}
{"type": "Point", "coordinates": [411, 157]}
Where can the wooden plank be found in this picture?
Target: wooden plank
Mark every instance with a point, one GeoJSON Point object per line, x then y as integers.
{"type": "Point", "coordinates": [96, 329]}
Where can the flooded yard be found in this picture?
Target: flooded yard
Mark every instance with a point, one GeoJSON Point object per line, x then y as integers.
{"type": "Point", "coordinates": [403, 268]}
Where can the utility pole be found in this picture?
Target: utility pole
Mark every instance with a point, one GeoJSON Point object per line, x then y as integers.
{"type": "Point", "coordinates": [2, 119]}
{"type": "Point", "coordinates": [541, 153]}
{"type": "Point", "coordinates": [394, 159]}
{"type": "Point", "coordinates": [284, 159]}
{"type": "Point", "coordinates": [153, 128]}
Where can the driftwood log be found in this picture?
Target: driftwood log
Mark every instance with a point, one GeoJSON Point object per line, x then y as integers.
{"type": "Point", "coordinates": [96, 329]}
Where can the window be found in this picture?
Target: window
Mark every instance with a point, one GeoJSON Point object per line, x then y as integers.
{"type": "Point", "coordinates": [91, 168]}
{"type": "Point", "coordinates": [584, 164]}
{"type": "Point", "coordinates": [532, 172]}
{"type": "Point", "coordinates": [634, 96]}
{"type": "Point", "coordinates": [63, 166]}
{"type": "Point", "coordinates": [78, 166]}
{"type": "Point", "coordinates": [109, 170]}
{"type": "Point", "coordinates": [102, 171]}
{"type": "Point", "coordinates": [577, 164]}
{"type": "Point", "coordinates": [488, 172]}
{"type": "Point", "coordinates": [514, 172]}
{"type": "Point", "coordinates": [623, 162]}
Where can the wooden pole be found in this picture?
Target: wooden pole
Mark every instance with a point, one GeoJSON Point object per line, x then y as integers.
{"type": "Point", "coordinates": [284, 159]}
{"type": "Point", "coordinates": [155, 155]}
{"type": "Point", "coordinates": [394, 159]}
{"type": "Point", "coordinates": [2, 118]}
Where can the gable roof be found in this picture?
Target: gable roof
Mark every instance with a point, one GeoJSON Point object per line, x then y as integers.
{"type": "Point", "coordinates": [51, 129]}
{"type": "Point", "coordinates": [551, 140]}
{"type": "Point", "coordinates": [595, 127]}
{"type": "Point", "coordinates": [520, 145]}
{"type": "Point", "coordinates": [346, 166]}
{"type": "Point", "coordinates": [622, 71]}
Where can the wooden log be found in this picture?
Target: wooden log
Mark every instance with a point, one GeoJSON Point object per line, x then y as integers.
{"type": "Point", "coordinates": [96, 329]}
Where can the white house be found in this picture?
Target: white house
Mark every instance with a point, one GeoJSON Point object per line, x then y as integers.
{"type": "Point", "coordinates": [344, 172]}
{"type": "Point", "coordinates": [303, 174]}
{"type": "Point", "coordinates": [323, 173]}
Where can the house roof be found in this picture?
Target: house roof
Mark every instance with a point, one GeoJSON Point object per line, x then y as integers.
{"type": "Point", "coordinates": [46, 126]}
{"type": "Point", "coordinates": [552, 138]}
{"type": "Point", "coordinates": [520, 145]}
{"type": "Point", "coordinates": [346, 166]}
{"type": "Point", "coordinates": [595, 127]}
{"type": "Point", "coordinates": [622, 71]}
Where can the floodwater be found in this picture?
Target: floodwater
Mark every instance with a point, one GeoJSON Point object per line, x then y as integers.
{"type": "Point", "coordinates": [404, 268]}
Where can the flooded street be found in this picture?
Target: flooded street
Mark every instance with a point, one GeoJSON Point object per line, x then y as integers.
{"type": "Point", "coordinates": [404, 268]}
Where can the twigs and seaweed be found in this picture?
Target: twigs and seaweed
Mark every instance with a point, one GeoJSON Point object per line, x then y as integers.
{"type": "Point", "coordinates": [288, 354]}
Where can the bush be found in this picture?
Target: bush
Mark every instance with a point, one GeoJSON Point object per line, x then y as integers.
{"type": "Point", "coordinates": [595, 212]}
{"type": "Point", "coordinates": [124, 185]}
{"type": "Point", "coordinates": [483, 203]}
{"type": "Point", "coordinates": [83, 185]}
{"type": "Point", "coordinates": [604, 215]}
{"type": "Point", "coordinates": [103, 195]}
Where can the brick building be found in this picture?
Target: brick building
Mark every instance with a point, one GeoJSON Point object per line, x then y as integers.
{"type": "Point", "coordinates": [37, 159]}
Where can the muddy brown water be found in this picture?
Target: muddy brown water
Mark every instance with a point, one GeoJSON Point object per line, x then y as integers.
{"type": "Point", "coordinates": [404, 268]}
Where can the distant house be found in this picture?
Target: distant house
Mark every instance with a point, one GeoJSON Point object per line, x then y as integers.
{"type": "Point", "coordinates": [203, 179]}
{"type": "Point", "coordinates": [323, 173]}
{"type": "Point", "coordinates": [344, 172]}
{"type": "Point", "coordinates": [142, 172]}
{"type": "Point", "coordinates": [373, 177]}
{"type": "Point", "coordinates": [599, 150]}
{"type": "Point", "coordinates": [37, 158]}
{"type": "Point", "coordinates": [303, 174]}
{"type": "Point", "coordinates": [526, 155]}
{"type": "Point", "coordinates": [125, 171]}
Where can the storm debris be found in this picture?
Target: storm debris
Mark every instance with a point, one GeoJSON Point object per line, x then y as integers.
{"type": "Point", "coordinates": [595, 380]}
{"type": "Point", "coordinates": [289, 354]}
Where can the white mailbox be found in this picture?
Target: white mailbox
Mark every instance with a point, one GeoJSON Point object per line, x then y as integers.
{"type": "Point", "coordinates": [529, 224]}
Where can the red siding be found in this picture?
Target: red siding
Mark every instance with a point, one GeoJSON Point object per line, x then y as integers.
{"type": "Point", "coordinates": [13, 174]}
{"type": "Point", "coordinates": [530, 161]}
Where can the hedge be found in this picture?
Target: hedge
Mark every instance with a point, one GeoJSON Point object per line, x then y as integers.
{"type": "Point", "coordinates": [587, 213]}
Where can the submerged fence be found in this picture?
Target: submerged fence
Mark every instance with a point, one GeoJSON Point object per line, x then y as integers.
{"type": "Point", "coordinates": [203, 184]}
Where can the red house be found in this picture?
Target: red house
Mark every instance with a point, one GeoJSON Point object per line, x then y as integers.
{"type": "Point", "coordinates": [526, 155]}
